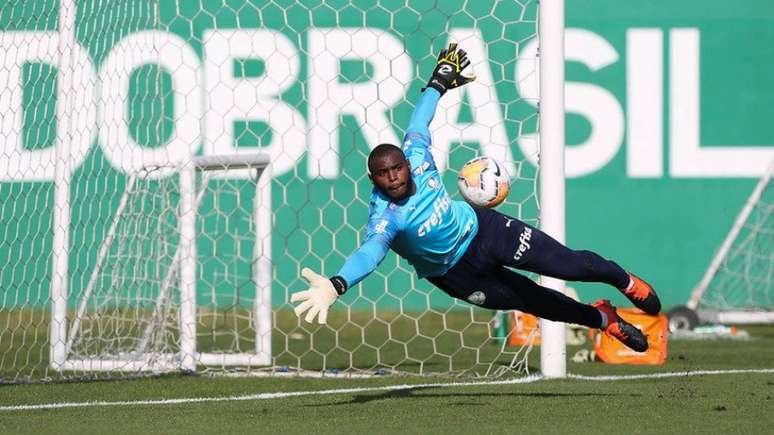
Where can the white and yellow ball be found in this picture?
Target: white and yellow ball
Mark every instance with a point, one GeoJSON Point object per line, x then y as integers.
{"type": "Point", "coordinates": [483, 182]}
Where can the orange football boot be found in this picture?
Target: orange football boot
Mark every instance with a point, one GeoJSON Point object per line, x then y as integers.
{"type": "Point", "coordinates": [620, 329]}
{"type": "Point", "coordinates": [643, 296]}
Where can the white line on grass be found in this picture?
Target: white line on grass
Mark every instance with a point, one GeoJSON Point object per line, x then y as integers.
{"type": "Point", "coordinates": [669, 374]}
{"type": "Point", "coordinates": [282, 395]}
{"type": "Point", "coordinates": [264, 396]}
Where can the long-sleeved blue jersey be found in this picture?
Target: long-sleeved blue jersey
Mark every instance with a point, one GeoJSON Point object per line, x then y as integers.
{"type": "Point", "coordinates": [427, 228]}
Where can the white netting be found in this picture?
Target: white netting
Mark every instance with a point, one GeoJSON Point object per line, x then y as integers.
{"type": "Point", "coordinates": [123, 86]}
{"type": "Point", "coordinates": [130, 315]}
{"type": "Point", "coordinates": [742, 276]}
{"type": "Point", "coordinates": [127, 309]}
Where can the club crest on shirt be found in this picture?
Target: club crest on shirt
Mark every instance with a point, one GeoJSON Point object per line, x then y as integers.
{"type": "Point", "coordinates": [434, 183]}
{"type": "Point", "coordinates": [477, 298]}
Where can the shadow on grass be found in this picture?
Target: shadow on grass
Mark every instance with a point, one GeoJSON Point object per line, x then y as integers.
{"type": "Point", "coordinates": [409, 393]}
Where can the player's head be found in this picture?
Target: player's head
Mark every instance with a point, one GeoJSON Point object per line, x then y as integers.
{"type": "Point", "coordinates": [390, 172]}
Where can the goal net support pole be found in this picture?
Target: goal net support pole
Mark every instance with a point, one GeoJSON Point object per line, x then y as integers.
{"type": "Point", "coordinates": [63, 170]}
{"type": "Point", "coordinates": [552, 203]}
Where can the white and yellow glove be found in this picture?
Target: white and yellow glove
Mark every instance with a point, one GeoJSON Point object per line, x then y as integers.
{"type": "Point", "coordinates": [318, 298]}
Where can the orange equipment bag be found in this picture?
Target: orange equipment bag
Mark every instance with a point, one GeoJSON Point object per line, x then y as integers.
{"type": "Point", "coordinates": [612, 351]}
{"type": "Point", "coordinates": [522, 329]}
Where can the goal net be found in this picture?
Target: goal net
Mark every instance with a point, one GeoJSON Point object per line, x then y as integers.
{"type": "Point", "coordinates": [738, 286]}
{"type": "Point", "coordinates": [182, 276]}
{"type": "Point", "coordinates": [126, 250]}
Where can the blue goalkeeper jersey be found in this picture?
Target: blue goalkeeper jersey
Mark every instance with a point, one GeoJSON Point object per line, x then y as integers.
{"type": "Point", "coordinates": [428, 229]}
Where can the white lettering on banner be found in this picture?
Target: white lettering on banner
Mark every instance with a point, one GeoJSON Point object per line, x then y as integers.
{"type": "Point", "coordinates": [369, 102]}
{"type": "Point", "coordinates": [178, 59]}
{"type": "Point", "coordinates": [16, 162]}
{"type": "Point", "coordinates": [440, 207]}
{"type": "Point", "coordinates": [687, 158]}
{"type": "Point", "coordinates": [645, 103]}
{"type": "Point", "coordinates": [206, 88]}
{"type": "Point", "coordinates": [595, 103]}
{"type": "Point", "coordinates": [487, 127]}
{"type": "Point", "coordinates": [232, 99]}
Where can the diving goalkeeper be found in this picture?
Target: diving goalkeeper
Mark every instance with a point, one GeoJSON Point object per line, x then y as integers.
{"type": "Point", "coordinates": [468, 252]}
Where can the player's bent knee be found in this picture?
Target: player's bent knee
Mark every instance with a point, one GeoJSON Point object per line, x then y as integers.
{"type": "Point", "coordinates": [587, 262]}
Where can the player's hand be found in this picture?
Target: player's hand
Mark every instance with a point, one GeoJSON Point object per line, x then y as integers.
{"type": "Point", "coordinates": [316, 300]}
{"type": "Point", "coordinates": [448, 70]}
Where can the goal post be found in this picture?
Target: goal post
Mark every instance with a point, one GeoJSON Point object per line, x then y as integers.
{"type": "Point", "coordinates": [62, 170]}
{"type": "Point", "coordinates": [553, 353]}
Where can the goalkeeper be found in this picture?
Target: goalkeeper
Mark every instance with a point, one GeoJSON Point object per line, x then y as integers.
{"type": "Point", "coordinates": [468, 252]}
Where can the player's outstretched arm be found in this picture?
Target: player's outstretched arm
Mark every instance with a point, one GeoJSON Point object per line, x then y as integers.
{"type": "Point", "coordinates": [447, 74]}
{"type": "Point", "coordinates": [323, 292]}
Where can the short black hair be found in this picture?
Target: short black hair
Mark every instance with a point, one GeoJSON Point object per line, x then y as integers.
{"type": "Point", "coordinates": [382, 150]}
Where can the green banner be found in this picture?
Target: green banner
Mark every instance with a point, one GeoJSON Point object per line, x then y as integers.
{"type": "Point", "coordinates": [666, 126]}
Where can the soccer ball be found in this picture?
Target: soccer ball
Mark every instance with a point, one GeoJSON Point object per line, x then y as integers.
{"type": "Point", "coordinates": [483, 182]}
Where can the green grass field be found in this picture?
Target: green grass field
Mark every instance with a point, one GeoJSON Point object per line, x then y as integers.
{"type": "Point", "coordinates": [692, 403]}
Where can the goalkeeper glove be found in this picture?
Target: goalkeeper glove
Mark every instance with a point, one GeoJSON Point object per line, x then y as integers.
{"type": "Point", "coordinates": [448, 70]}
{"type": "Point", "coordinates": [322, 293]}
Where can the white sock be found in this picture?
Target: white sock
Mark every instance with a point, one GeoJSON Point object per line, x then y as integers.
{"type": "Point", "coordinates": [604, 319]}
{"type": "Point", "coordinates": [631, 283]}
